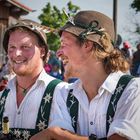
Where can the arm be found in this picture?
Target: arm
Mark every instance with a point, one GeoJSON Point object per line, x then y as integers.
{"type": "Point", "coordinates": [126, 122]}
{"type": "Point", "coordinates": [116, 137]}
{"type": "Point", "coordinates": [59, 113]}
{"type": "Point", "coordinates": [56, 133]}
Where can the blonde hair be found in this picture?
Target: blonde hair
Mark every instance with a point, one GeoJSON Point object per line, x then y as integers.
{"type": "Point", "coordinates": [112, 58]}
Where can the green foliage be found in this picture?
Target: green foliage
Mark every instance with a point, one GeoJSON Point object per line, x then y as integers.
{"type": "Point", "coordinates": [136, 5]}
{"type": "Point", "coordinates": [138, 29]}
{"type": "Point", "coordinates": [55, 18]}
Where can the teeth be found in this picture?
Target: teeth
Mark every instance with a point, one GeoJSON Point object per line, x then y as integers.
{"type": "Point", "coordinates": [19, 62]}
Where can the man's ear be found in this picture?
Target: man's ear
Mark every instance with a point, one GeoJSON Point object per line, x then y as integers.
{"type": "Point", "coordinates": [42, 52]}
{"type": "Point", "coordinates": [88, 45]}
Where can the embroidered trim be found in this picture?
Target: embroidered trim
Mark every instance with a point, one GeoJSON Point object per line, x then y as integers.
{"type": "Point", "coordinates": [43, 113]}
{"type": "Point", "coordinates": [72, 105]}
{"type": "Point", "coordinates": [123, 81]}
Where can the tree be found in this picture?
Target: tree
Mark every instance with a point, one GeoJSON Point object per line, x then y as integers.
{"type": "Point", "coordinates": [136, 5]}
{"type": "Point", "coordinates": [55, 18]}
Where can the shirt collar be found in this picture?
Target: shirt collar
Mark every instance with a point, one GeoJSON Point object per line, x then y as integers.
{"type": "Point", "coordinates": [43, 76]}
{"type": "Point", "coordinates": [111, 82]}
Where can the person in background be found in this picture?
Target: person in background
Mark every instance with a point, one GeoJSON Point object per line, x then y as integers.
{"type": "Point", "coordinates": [28, 96]}
{"type": "Point", "coordinates": [7, 74]}
{"type": "Point", "coordinates": [136, 61]}
{"type": "Point", "coordinates": [3, 83]}
{"type": "Point", "coordinates": [47, 66]}
{"type": "Point", "coordinates": [4, 70]}
{"type": "Point", "coordinates": [104, 102]}
{"type": "Point", "coordinates": [55, 72]}
{"type": "Point", "coordinates": [127, 53]}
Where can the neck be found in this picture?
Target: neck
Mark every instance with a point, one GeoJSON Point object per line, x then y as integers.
{"type": "Point", "coordinates": [92, 81]}
{"type": "Point", "coordinates": [26, 80]}
{"type": "Point", "coordinates": [24, 89]}
{"type": "Point", "coordinates": [25, 83]}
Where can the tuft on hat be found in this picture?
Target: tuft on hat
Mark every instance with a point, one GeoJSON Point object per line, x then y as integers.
{"type": "Point", "coordinates": [90, 25]}
{"type": "Point", "coordinates": [32, 26]}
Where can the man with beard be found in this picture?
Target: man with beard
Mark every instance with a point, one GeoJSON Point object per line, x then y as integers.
{"type": "Point", "coordinates": [28, 96]}
{"type": "Point", "coordinates": [104, 103]}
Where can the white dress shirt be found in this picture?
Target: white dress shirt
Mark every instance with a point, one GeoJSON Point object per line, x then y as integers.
{"type": "Point", "coordinates": [92, 115]}
{"type": "Point", "coordinates": [25, 115]}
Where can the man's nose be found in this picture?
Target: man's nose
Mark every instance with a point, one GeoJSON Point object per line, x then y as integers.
{"type": "Point", "coordinates": [18, 52]}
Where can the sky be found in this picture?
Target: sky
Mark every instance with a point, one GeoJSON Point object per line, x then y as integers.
{"type": "Point", "coordinates": [126, 16]}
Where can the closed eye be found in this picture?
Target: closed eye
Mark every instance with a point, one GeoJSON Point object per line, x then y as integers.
{"type": "Point", "coordinates": [26, 47]}
{"type": "Point", "coordinates": [11, 47]}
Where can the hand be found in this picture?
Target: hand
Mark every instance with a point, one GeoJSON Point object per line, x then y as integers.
{"type": "Point", "coordinates": [3, 84]}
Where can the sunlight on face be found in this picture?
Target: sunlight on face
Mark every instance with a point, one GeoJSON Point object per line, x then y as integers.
{"type": "Point", "coordinates": [24, 52]}
{"type": "Point", "coordinates": [71, 48]}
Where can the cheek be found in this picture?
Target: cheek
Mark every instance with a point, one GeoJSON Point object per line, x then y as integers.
{"type": "Point", "coordinates": [28, 53]}
{"type": "Point", "coordinates": [10, 54]}
{"type": "Point", "coordinates": [67, 51]}
{"type": "Point", "coordinates": [36, 54]}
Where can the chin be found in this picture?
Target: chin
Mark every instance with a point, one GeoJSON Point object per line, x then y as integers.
{"type": "Point", "coordinates": [20, 72]}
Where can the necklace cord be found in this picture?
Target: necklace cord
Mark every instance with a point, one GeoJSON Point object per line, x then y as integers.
{"type": "Point", "coordinates": [25, 89]}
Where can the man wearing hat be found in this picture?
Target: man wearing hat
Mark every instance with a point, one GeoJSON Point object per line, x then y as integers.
{"type": "Point", "coordinates": [104, 102]}
{"type": "Point", "coordinates": [28, 96]}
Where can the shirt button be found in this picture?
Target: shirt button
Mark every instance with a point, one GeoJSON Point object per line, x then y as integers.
{"type": "Point", "coordinates": [18, 112]}
{"type": "Point", "coordinates": [91, 123]}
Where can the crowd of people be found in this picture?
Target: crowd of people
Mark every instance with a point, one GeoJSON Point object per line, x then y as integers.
{"type": "Point", "coordinates": [133, 57]}
{"type": "Point", "coordinates": [102, 101]}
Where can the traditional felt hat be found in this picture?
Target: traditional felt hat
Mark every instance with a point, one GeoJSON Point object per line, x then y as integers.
{"type": "Point", "coordinates": [90, 25]}
{"type": "Point", "coordinates": [32, 26]}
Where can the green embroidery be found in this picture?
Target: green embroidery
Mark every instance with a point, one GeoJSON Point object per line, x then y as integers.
{"type": "Point", "coordinates": [123, 81]}
{"type": "Point", "coordinates": [23, 134]}
{"type": "Point", "coordinates": [72, 103]}
{"type": "Point", "coordinates": [43, 113]}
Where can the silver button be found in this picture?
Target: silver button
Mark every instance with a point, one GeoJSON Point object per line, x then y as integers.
{"type": "Point", "coordinates": [91, 123]}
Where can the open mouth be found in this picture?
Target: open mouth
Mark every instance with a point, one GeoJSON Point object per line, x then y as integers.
{"type": "Point", "coordinates": [19, 61]}
{"type": "Point", "coordinates": [64, 58]}
{"type": "Point", "coordinates": [65, 61]}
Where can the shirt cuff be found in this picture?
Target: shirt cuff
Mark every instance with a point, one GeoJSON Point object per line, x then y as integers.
{"type": "Point", "coordinates": [124, 128]}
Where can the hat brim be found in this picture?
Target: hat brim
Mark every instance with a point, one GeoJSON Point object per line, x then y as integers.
{"type": "Point", "coordinates": [7, 33]}
{"type": "Point", "coordinates": [77, 31]}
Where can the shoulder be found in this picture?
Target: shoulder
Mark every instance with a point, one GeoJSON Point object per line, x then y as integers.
{"type": "Point", "coordinates": [63, 88]}
{"type": "Point", "coordinates": [134, 84]}
{"type": "Point", "coordinates": [62, 85]}
{"type": "Point", "coordinates": [132, 91]}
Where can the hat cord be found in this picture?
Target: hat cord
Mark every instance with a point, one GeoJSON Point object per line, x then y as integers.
{"type": "Point", "coordinates": [92, 28]}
